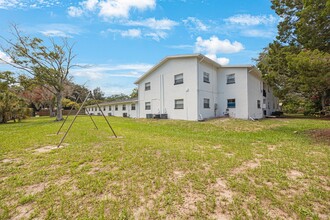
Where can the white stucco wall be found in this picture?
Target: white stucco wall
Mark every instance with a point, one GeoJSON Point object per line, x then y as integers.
{"type": "Point", "coordinates": [119, 113]}
{"type": "Point", "coordinates": [207, 90]}
{"type": "Point", "coordinates": [237, 91]}
{"type": "Point", "coordinates": [255, 92]}
{"type": "Point", "coordinates": [163, 92]}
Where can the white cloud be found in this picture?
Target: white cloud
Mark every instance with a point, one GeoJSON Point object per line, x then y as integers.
{"type": "Point", "coordinates": [90, 4]}
{"type": "Point", "coordinates": [121, 8]}
{"type": "Point", "coordinates": [157, 36]}
{"type": "Point", "coordinates": [23, 4]}
{"type": "Point", "coordinates": [133, 33]}
{"type": "Point", "coordinates": [214, 45]}
{"type": "Point", "coordinates": [75, 11]}
{"type": "Point", "coordinates": [270, 33]}
{"type": "Point", "coordinates": [4, 57]}
{"type": "Point", "coordinates": [55, 33]}
{"type": "Point", "coordinates": [59, 30]}
{"type": "Point", "coordinates": [152, 23]}
{"type": "Point", "coordinates": [211, 47]}
{"type": "Point", "coordinates": [98, 72]}
{"type": "Point", "coordinates": [251, 20]}
{"type": "Point", "coordinates": [194, 24]}
{"type": "Point", "coordinates": [221, 60]}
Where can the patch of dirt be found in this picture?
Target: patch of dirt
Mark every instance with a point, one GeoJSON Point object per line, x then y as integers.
{"type": "Point", "coordinates": [224, 196]}
{"type": "Point", "coordinates": [253, 164]}
{"type": "Point", "coordinates": [10, 160]}
{"type": "Point", "coordinates": [273, 212]}
{"type": "Point", "coordinates": [271, 147]}
{"type": "Point", "coordinates": [294, 174]}
{"type": "Point", "coordinates": [23, 212]}
{"type": "Point", "coordinates": [189, 206]}
{"type": "Point", "coordinates": [229, 155]}
{"type": "Point", "coordinates": [147, 204]}
{"type": "Point", "coordinates": [49, 148]}
{"type": "Point", "coordinates": [178, 174]}
{"type": "Point", "coordinates": [322, 135]}
{"type": "Point", "coordinates": [36, 188]}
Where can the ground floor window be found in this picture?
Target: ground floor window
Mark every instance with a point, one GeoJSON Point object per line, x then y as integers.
{"type": "Point", "coordinates": [231, 103]}
{"type": "Point", "coordinates": [133, 107]}
{"type": "Point", "coordinates": [258, 104]}
{"type": "Point", "coordinates": [206, 103]}
{"type": "Point", "coordinates": [147, 105]}
{"type": "Point", "coordinates": [109, 107]}
{"type": "Point", "coordinates": [178, 103]}
{"type": "Point", "coordinates": [116, 107]}
{"type": "Point", "coordinates": [124, 107]}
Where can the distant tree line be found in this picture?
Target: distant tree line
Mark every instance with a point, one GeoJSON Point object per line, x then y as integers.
{"type": "Point", "coordinates": [297, 63]}
{"type": "Point", "coordinates": [42, 80]}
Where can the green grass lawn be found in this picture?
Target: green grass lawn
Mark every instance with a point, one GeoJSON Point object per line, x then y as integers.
{"type": "Point", "coordinates": [156, 169]}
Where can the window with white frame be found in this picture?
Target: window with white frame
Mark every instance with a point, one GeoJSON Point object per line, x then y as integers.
{"type": "Point", "coordinates": [147, 106]}
{"type": "Point", "coordinates": [103, 108]}
{"type": "Point", "coordinates": [178, 79]}
{"type": "Point", "coordinates": [133, 107]}
{"type": "Point", "coordinates": [231, 78]}
{"type": "Point", "coordinates": [116, 107]}
{"type": "Point", "coordinates": [258, 104]}
{"type": "Point", "coordinates": [147, 86]}
{"type": "Point", "coordinates": [178, 104]}
{"type": "Point", "coordinates": [206, 103]}
{"type": "Point", "coordinates": [109, 107]}
{"type": "Point", "coordinates": [124, 107]}
{"type": "Point", "coordinates": [231, 103]}
{"type": "Point", "coordinates": [206, 77]}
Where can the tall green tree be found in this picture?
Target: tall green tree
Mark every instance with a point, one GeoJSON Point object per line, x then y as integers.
{"type": "Point", "coordinates": [11, 105]}
{"type": "Point", "coordinates": [296, 63]}
{"type": "Point", "coordinates": [48, 63]}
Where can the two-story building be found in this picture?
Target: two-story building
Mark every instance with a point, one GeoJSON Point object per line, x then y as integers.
{"type": "Point", "coordinates": [194, 87]}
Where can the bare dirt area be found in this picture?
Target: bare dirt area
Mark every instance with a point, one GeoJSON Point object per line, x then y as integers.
{"type": "Point", "coordinates": [49, 148]}
{"type": "Point", "coordinates": [322, 135]}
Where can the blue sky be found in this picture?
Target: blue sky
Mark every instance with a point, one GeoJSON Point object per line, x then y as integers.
{"type": "Point", "coordinates": [119, 40]}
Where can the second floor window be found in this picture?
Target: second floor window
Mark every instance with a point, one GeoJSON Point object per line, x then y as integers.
{"type": "Point", "coordinates": [147, 105]}
{"type": "Point", "coordinates": [178, 79]}
{"type": "Point", "coordinates": [206, 77]}
{"type": "Point", "coordinates": [147, 86]}
{"type": "Point", "coordinates": [231, 79]}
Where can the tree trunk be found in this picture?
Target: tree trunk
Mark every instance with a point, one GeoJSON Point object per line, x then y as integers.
{"type": "Point", "coordinates": [51, 114]}
{"type": "Point", "coordinates": [323, 98]}
{"type": "Point", "coordinates": [59, 97]}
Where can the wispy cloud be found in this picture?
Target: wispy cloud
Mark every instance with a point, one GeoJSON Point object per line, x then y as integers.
{"type": "Point", "coordinates": [110, 9]}
{"type": "Point", "coordinates": [194, 24]}
{"type": "Point", "coordinates": [4, 58]}
{"type": "Point", "coordinates": [58, 30]}
{"type": "Point", "coordinates": [251, 20]}
{"type": "Point", "coordinates": [94, 72]}
{"type": "Point", "coordinates": [23, 4]}
{"type": "Point", "coordinates": [152, 23]}
{"type": "Point", "coordinates": [131, 33]}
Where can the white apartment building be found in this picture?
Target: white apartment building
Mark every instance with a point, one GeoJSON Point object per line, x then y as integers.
{"type": "Point", "coordinates": [194, 87]}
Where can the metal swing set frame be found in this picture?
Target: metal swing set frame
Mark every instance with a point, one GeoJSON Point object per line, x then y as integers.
{"type": "Point", "coordinates": [75, 117]}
